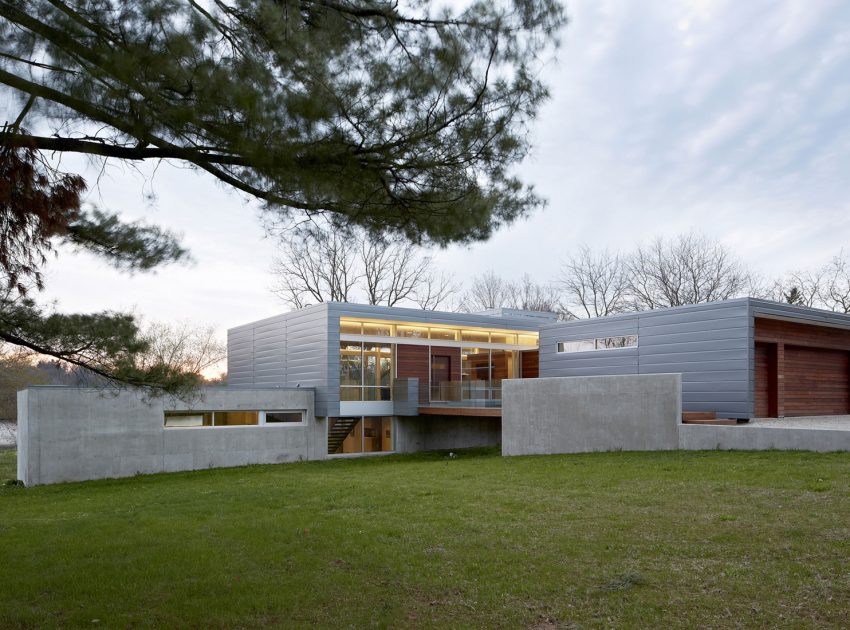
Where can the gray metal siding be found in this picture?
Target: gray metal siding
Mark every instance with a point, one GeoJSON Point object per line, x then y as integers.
{"type": "Point", "coordinates": [593, 363]}
{"type": "Point", "coordinates": [288, 350]}
{"type": "Point", "coordinates": [709, 344]}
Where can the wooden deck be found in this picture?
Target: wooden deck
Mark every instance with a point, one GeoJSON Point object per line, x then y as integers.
{"type": "Point", "coordinates": [479, 412]}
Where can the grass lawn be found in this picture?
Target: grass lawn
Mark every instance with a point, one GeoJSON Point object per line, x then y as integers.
{"type": "Point", "coordinates": [641, 540]}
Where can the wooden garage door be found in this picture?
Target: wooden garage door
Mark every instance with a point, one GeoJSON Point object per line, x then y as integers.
{"type": "Point", "coordinates": [817, 381]}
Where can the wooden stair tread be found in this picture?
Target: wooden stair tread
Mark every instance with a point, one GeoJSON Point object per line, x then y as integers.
{"type": "Point", "coordinates": [710, 421]}
{"type": "Point", "coordinates": [698, 415]}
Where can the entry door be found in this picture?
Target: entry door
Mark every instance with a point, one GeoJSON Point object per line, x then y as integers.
{"type": "Point", "coordinates": [441, 372]}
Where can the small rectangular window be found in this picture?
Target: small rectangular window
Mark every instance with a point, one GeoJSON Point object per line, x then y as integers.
{"type": "Point", "coordinates": [188, 419]}
{"type": "Point", "coordinates": [476, 336]}
{"type": "Point", "coordinates": [446, 334]}
{"type": "Point", "coordinates": [503, 338]}
{"type": "Point", "coordinates": [349, 328]}
{"type": "Point", "coordinates": [235, 418]}
{"type": "Point", "coordinates": [527, 340]}
{"type": "Point", "coordinates": [582, 345]}
{"type": "Point", "coordinates": [283, 417]}
{"type": "Point", "coordinates": [600, 343]}
{"type": "Point", "coordinates": [411, 331]}
{"type": "Point", "coordinates": [378, 330]}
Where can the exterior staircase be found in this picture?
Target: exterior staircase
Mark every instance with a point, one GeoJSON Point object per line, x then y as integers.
{"type": "Point", "coordinates": [705, 417]}
{"type": "Point", "coordinates": [340, 430]}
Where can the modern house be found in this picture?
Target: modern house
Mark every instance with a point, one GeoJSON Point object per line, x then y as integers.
{"type": "Point", "coordinates": [744, 358]}
{"type": "Point", "coordinates": [344, 379]}
{"type": "Point", "coordinates": [392, 378]}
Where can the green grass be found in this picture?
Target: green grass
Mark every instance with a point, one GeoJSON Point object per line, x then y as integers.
{"type": "Point", "coordinates": [640, 540]}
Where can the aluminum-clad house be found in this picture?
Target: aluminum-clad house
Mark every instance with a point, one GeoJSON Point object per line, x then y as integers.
{"type": "Point", "coordinates": [740, 358]}
{"type": "Point", "coordinates": [392, 379]}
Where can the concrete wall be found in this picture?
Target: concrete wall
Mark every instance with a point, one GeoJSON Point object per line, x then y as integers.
{"type": "Point", "coordinates": [70, 434]}
{"type": "Point", "coordinates": [591, 413]}
{"type": "Point", "coordinates": [695, 437]}
{"type": "Point", "coordinates": [710, 345]}
{"type": "Point", "coordinates": [432, 433]}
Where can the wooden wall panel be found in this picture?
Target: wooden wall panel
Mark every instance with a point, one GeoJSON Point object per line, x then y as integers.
{"type": "Point", "coordinates": [792, 333]}
{"type": "Point", "coordinates": [414, 362]}
{"type": "Point", "coordinates": [529, 364]}
{"type": "Point", "coordinates": [765, 380]}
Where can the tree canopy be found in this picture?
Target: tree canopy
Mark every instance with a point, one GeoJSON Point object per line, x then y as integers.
{"type": "Point", "coordinates": [399, 117]}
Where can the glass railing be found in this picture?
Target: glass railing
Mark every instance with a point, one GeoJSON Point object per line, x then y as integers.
{"type": "Point", "coordinates": [466, 394]}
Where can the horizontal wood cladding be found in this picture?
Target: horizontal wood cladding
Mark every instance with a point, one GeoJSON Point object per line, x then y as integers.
{"type": "Point", "coordinates": [793, 333]}
{"type": "Point", "coordinates": [413, 362]}
{"type": "Point", "coordinates": [817, 381]}
{"type": "Point", "coordinates": [529, 364]}
{"type": "Point", "coordinates": [765, 380]}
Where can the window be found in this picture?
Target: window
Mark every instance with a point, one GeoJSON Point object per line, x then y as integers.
{"type": "Point", "coordinates": [195, 419]}
{"type": "Point", "coordinates": [284, 417]}
{"type": "Point", "coordinates": [475, 336]}
{"type": "Point", "coordinates": [185, 419]}
{"type": "Point", "coordinates": [415, 332]}
{"type": "Point", "coordinates": [365, 371]}
{"type": "Point", "coordinates": [421, 331]}
{"type": "Point", "coordinates": [377, 330]}
{"type": "Point", "coordinates": [360, 435]}
{"type": "Point", "coordinates": [446, 334]}
{"type": "Point", "coordinates": [600, 343]}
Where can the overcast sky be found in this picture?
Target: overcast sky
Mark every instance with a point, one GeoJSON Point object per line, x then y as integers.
{"type": "Point", "coordinates": [729, 118]}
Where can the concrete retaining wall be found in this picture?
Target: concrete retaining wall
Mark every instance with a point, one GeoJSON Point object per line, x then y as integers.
{"type": "Point", "coordinates": [591, 413]}
{"type": "Point", "coordinates": [432, 433]}
{"type": "Point", "coordinates": [695, 437]}
{"type": "Point", "coordinates": [69, 434]}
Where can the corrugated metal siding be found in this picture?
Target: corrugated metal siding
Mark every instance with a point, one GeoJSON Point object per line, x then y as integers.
{"type": "Point", "coordinates": [287, 350]}
{"type": "Point", "coordinates": [709, 344]}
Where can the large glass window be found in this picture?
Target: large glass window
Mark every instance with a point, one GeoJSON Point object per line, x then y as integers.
{"type": "Point", "coordinates": [366, 371]}
{"type": "Point", "coordinates": [351, 371]}
{"type": "Point", "coordinates": [360, 435]}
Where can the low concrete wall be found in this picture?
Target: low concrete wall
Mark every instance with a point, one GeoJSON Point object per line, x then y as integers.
{"type": "Point", "coordinates": [591, 413]}
{"type": "Point", "coordinates": [70, 434]}
{"type": "Point", "coordinates": [696, 437]}
{"type": "Point", "coordinates": [434, 433]}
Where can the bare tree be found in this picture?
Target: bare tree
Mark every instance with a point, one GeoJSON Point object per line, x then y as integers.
{"type": "Point", "coordinates": [184, 346]}
{"type": "Point", "coordinates": [835, 288]}
{"type": "Point", "coordinates": [436, 290]}
{"type": "Point", "coordinates": [326, 263]}
{"type": "Point", "coordinates": [488, 291]}
{"type": "Point", "coordinates": [317, 264]}
{"type": "Point", "coordinates": [532, 296]}
{"type": "Point", "coordinates": [392, 270]}
{"type": "Point", "coordinates": [687, 270]}
{"type": "Point", "coordinates": [594, 285]}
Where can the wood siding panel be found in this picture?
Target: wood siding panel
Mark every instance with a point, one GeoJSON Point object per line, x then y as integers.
{"type": "Point", "coordinates": [529, 364]}
{"type": "Point", "coordinates": [765, 380]}
{"type": "Point", "coordinates": [414, 362]}
{"type": "Point", "coordinates": [792, 333]}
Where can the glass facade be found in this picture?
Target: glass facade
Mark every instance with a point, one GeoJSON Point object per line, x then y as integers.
{"type": "Point", "coordinates": [365, 371]}
{"type": "Point", "coordinates": [348, 436]}
{"type": "Point", "coordinates": [415, 330]}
